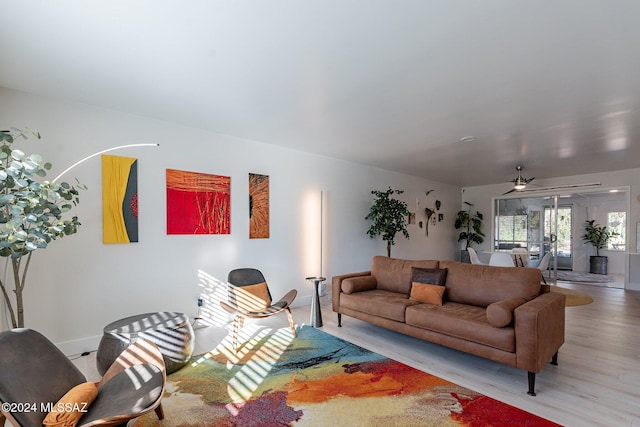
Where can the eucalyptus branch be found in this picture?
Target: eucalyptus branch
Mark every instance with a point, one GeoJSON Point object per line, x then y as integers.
{"type": "Point", "coordinates": [24, 272]}
{"type": "Point", "coordinates": [31, 212]}
{"type": "Point", "coordinates": [8, 301]}
{"type": "Point", "coordinates": [16, 276]}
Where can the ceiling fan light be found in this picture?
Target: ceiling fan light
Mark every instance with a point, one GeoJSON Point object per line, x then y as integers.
{"type": "Point", "coordinates": [519, 183]}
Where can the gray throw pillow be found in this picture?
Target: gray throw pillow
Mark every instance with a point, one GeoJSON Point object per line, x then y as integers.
{"type": "Point", "coordinates": [429, 276]}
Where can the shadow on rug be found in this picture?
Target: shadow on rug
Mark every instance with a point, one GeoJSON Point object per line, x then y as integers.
{"type": "Point", "coordinates": [320, 380]}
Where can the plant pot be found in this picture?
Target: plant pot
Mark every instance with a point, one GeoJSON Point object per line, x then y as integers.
{"type": "Point", "coordinates": [464, 256]}
{"type": "Point", "coordinates": [598, 265]}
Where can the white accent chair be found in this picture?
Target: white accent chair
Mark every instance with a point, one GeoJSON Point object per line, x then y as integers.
{"type": "Point", "coordinates": [501, 259]}
{"type": "Point", "coordinates": [544, 265]}
{"type": "Point", "coordinates": [473, 256]}
{"type": "Point", "coordinates": [520, 255]}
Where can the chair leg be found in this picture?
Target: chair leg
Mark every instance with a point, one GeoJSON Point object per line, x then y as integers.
{"type": "Point", "coordinates": [237, 324]}
{"type": "Point", "coordinates": [160, 412]}
{"type": "Point", "coordinates": [544, 280]}
{"type": "Point", "coordinates": [291, 324]}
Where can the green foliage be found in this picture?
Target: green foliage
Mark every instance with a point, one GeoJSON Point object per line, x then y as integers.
{"type": "Point", "coordinates": [389, 217]}
{"type": "Point", "coordinates": [31, 211]}
{"type": "Point", "coordinates": [472, 224]}
{"type": "Point", "coordinates": [597, 235]}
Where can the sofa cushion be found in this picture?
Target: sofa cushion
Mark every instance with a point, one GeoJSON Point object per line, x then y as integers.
{"type": "Point", "coordinates": [394, 274]}
{"type": "Point", "coordinates": [462, 321]}
{"type": "Point", "coordinates": [429, 294]}
{"type": "Point", "coordinates": [389, 305]}
{"type": "Point", "coordinates": [500, 314]}
{"type": "Point", "coordinates": [482, 285]}
{"type": "Point", "coordinates": [431, 276]}
{"type": "Point", "coordinates": [358, 284]}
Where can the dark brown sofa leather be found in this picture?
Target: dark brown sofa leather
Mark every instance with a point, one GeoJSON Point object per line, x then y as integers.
{"type": "Point", "coordinates": [529, 341]}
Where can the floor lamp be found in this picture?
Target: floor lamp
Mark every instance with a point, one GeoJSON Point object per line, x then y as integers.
{"type": "Point", "coordinates": [316, 312]}
{"type": "Point", "coordinates": [101, 152]}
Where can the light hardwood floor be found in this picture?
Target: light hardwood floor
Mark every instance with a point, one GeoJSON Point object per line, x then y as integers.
{"type": "Point", "coordinates": [597, 381]}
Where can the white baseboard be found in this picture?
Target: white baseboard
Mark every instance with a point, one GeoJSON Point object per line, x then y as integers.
{"type": "Point", "coordinates": [633, 286]}
{"type": "Point", "coordinates": [79, 346]}
{"type": "Point", "coordinates": [301, 301]}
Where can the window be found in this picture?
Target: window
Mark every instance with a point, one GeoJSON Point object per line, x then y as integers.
{"type": "Point", "coordinates": [511, 231]}
{"type": "Point", "coordinates": [617, 221]}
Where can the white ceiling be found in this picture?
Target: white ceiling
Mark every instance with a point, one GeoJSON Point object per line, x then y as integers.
{"type": "Point", "coordinates": [554, 86]}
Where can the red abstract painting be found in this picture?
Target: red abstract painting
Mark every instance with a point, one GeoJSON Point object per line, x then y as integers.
{"type": "Point", "coordinates": [198, 203]}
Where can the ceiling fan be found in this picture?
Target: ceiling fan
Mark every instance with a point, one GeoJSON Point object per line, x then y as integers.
{"type": "Point", "coordinates": [520, 182]}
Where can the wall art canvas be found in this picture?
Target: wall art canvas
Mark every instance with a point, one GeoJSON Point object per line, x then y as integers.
{"type": "Point", "coordinates": [258, 206]}
{"type": "Point", "coordinates": [198, 203]}
{"type": "Point", "coordinates": [119, 199]}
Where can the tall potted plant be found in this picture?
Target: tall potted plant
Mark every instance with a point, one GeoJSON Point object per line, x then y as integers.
{"type": "Point", "coordinates": [599, 237]}
{"type": "Point", "coordinates": [31, 215]}
{"type": "Point", "coordinates": [389, 217]}
{"type": "Point", "coordinates": [471, 225]}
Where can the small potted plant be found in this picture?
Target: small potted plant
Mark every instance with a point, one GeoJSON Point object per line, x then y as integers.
{"type": "Point", "coordinates": [599, 237]}
{"type": "Point", "coordinates": [389, 217]}
{"type": "Point", "coordinates": [471, 225]}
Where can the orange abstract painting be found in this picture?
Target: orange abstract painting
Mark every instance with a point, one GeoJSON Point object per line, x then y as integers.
{"type": "Point", "coordinates": [258, 206]}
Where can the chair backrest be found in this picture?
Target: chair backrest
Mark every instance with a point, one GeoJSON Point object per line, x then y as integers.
{"type": "Point", "coordinates": [473, 256]}
{"type": "Point", "coordinates": [33, 369]}
{"type": "Point", "coordinates": [245, 277]}
{"type": "Point", "coordinates": [522, 255]}
{"type": "Point", "coordinates": [501, 259]}
{"type": "Point", "coordinates": [544, 262]}
{"type": "Point", "coordinates": [254, 299]}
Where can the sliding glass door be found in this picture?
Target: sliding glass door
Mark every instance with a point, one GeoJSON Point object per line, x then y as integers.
{"type": "Point", "coordinates": [542, 223]}
{"type": "Point", "coordinates": [562, 217]}
{"type": "Point", "coordinates": [529, 226]}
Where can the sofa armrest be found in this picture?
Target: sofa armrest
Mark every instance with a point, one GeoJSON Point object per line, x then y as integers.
{"type": "Point", "coordinates": [358, 284]}
{"type": "Point", "coordinates": [336, 286]}
{"type": "Point", "coordinates": [539, 327]}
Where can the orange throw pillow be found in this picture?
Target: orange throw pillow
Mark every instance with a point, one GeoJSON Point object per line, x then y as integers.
{"type": "Point", "coordinates": [430, 294]}
{"type": "Point", "coordinates": [252, 297]}
{"type": "Point", "coordinates": [68, 410]}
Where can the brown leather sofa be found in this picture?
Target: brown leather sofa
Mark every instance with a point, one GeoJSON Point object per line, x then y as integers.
{"type": "Point", "coordinates": [500, 313]}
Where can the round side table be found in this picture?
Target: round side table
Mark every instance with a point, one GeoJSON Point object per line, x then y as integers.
{"type": "Point", "coordinates": [170, 331]}
{"type": "Point", "coordinates": [316, 312]}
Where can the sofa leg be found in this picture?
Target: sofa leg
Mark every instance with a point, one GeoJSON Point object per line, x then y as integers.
{"type": "Point", "coordinates": [339, 320]}
{"type": "Point", "coordinates": [554, 359]}
{"type": "Point", "coordinates": [532, 383]}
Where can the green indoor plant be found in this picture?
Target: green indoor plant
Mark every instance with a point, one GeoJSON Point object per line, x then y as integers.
{"type": "Point", "coordinates": [389, 217]}
{"type": "Point", "coordinates": [31, 215]}
{"type": "Point", "coordinates": [471, 225]}
{"type": "Point", "coordinates": [598, 236]}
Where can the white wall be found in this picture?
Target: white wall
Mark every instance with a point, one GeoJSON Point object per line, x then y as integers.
{"type": "Point", "coordinates": [78, 285]}
{"type": "Point", "coordinates": [482, 197]}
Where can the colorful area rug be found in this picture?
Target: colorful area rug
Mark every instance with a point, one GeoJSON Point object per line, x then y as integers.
{"type": "Point", "coordinates": [317, 379]}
